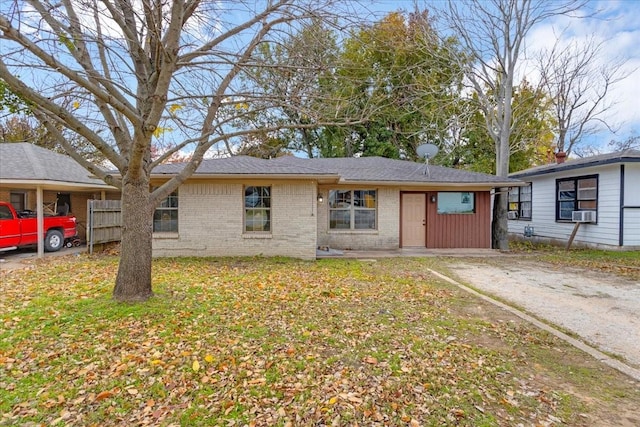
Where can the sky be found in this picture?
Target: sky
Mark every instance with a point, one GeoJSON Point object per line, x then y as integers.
{"type": "Point", "coordinates": [617, 26]}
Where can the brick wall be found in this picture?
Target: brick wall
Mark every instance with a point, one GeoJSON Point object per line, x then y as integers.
{"type": "Point", "coordinates": [210, 222]}
{"type": "Point", "coordinates": [387, 235]}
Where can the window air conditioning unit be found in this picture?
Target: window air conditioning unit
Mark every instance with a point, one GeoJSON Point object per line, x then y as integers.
{"type": "Point", "coordinates": [583, 216]}
{"type": "Point", "coordinates": [512, 215]}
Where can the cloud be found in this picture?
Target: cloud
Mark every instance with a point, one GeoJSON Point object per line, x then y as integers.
{"type": "Point", "coordinates": [617, 27]}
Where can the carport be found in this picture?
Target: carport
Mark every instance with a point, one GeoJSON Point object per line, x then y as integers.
{"type": "Point", "coordinates": [30, 172]}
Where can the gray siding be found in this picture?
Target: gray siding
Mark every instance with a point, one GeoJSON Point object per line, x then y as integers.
{"type": "Point", "coordinates": [605, 233]}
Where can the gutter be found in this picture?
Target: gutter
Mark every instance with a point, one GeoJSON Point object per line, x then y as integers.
{"type": "Point", "coordinates": [46, 184]}
{"type": "Point", "coordinates": [561, 167]}
{"type": "Point", "coordinates": [434, 184]}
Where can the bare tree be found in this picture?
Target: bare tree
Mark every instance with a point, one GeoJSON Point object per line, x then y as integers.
{"type": "Point", "coordinates": [126, 75]}
{"type": "Point", "coordinates": [493, 33]}
{"type": "Point", "coordinates": [631, 143]}
{"type": "Point", "coordinates": [578, 80]}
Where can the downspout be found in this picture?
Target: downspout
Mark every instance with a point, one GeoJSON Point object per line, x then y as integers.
{"type": "Point", "coordinates": [621, 220]}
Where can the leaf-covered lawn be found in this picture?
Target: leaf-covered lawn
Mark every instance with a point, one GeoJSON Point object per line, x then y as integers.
{"type": "Point", "coordinates": [623, 263]}
{"type": "Point", "coordinates": [263, 342]}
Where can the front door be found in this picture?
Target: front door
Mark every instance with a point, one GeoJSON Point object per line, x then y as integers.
{"type": "Point", "coordinates": [414, 220]}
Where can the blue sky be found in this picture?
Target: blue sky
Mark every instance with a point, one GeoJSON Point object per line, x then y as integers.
{"type": "Point", "coordinates": [616, 25]}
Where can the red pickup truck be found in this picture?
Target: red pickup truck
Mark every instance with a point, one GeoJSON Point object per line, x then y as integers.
{"type": "Point", "coordinates": [17, 230]}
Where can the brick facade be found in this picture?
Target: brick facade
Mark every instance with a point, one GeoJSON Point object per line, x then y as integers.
{"type": "Point", "coordinates": [385, 237]}
{"type": "Point", "coordinates": [211, 222]}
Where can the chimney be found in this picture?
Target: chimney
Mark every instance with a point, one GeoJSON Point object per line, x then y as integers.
{"type": "Point", "coordinates": [560, 157]}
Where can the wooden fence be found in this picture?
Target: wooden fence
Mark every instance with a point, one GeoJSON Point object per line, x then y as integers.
{"type": "Point", "coordinates": [104, 222]}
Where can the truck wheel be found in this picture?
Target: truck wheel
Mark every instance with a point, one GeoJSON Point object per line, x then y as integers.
{"type": "Point", "coordinates": [53, 241]}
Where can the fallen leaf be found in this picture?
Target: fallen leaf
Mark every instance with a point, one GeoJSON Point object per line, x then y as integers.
{"type": "Point", "coordinates": [104, 395]}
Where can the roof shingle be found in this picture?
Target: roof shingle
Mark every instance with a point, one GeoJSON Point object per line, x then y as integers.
{"type": "Point", "coordinates": [349, 169]}
{"type": "Point", "coordinates": [28, 162]}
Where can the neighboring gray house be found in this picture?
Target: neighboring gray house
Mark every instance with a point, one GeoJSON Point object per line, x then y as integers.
{"type": "Point", "coordinates": [291, 206]}
{"type": "Point", "coordinates": [602, 192]}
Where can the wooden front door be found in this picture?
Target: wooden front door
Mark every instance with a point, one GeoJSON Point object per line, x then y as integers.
{"type": "Point", "coordinates": [414, 220]}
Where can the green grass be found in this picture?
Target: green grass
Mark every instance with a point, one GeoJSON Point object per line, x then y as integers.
{"type": "Point", "coordinates": [254, 341]}
{"type": "Point", "coordinates": [624, 263]}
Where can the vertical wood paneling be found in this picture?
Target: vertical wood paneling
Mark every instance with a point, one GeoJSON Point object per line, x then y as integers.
{"type": "Point", "coordinates": [460, 230]}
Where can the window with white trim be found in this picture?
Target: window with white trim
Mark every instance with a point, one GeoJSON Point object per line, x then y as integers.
{"type": "Point", "coordinates": [165, 217]}
{"type": "Point", "coordinates": [352, 209]}
{"type": "Point", "coordinates": [257, 209]}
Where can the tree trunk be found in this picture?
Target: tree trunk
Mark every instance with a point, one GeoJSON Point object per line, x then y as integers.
{"type": "Point", "coordinates": [133, 282]}
{"type": "Point", "coordinates": [499, 226]}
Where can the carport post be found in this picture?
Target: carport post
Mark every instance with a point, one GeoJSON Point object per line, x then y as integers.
{"type": "Point", "coordinates": [40, 221]}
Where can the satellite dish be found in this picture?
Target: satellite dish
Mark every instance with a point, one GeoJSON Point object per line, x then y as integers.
{"type": "Point", "coordinates": [427, 151]}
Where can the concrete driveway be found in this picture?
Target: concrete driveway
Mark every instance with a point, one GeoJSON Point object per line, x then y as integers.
{"type": "Point", "coordinates": [602, 309]}
{"type": "Point", "coordinates": [24, 258]}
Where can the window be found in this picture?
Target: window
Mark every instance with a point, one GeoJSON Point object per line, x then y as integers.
{"type": "Point", "coordinates": [18, 200]}
{"type": "Point", "coordinates": [165, 217]}
{"type": "Point", "coordinates": [576, 194]}
{"type": "Point", "coordinates": [5, 212]}
{"type": "Point", "coordinates": [520, 202]}
{"type": "Point", "coordinates": [257, 209]}
{"type": "Point", "coordinates": [456, 202]}
{"type": "Point", "coordinates": [352, 209]}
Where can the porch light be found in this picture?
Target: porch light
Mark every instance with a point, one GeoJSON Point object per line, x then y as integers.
{"type": "Point", "coordinates": [320, 198]}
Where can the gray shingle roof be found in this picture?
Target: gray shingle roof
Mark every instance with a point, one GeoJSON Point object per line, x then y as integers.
{"type": "Point", "coordinates": [348, 169]}
{"type": "Point", "coordinates": [27, 162]}
{"type": "Point", "coordinates": [381, 169]}
{"type": "Point", "coordinates": [625, 156]}
{"type": "Point", "coordinates": [242, 165]}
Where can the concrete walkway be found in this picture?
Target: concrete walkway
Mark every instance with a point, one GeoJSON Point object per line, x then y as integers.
{"type": "Point", "coordinates": [410, 252]}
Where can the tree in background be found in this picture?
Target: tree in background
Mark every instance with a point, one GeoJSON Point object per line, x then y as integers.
{"type": "Point", "coordinates": [492, 32]}
{"type": "Point", "coordinates": [531, 141]}
{"type": "Point", "coordinates": [401, 73]}
{"type": "Point", "coordinates": [19, 128]}
{"type": "Point", "coordinates": [19, 125]}
{"type": "Point", "coordinates": [631, 143]}
{"type": "Point", "coordinates": [126, 75]}
{"type": "Point", "coordinates": [578, 81]}
{"type": "Point", "coordinates": [296, 71]}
